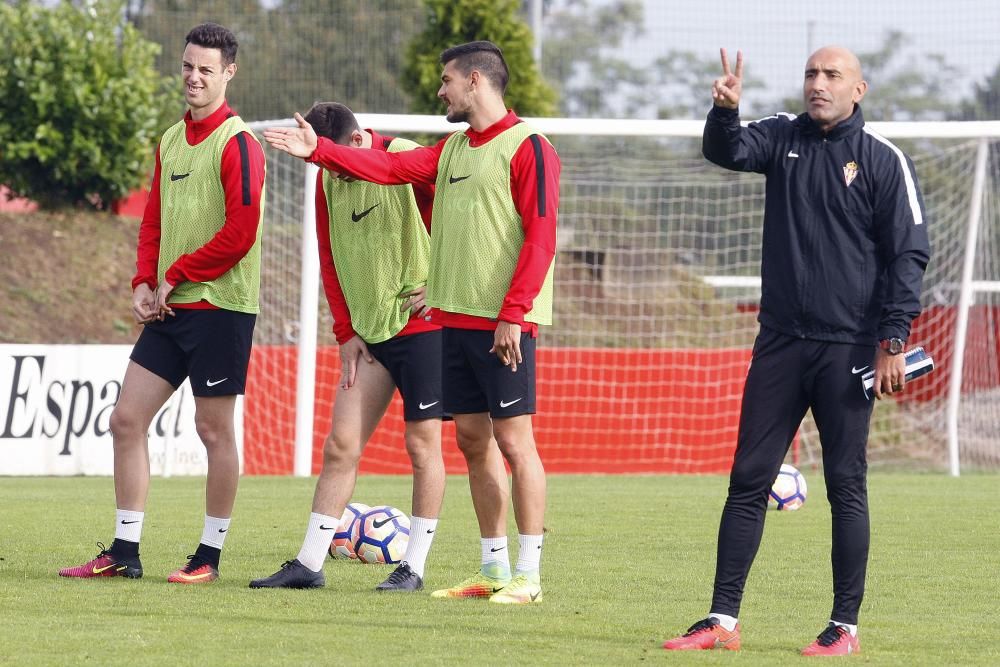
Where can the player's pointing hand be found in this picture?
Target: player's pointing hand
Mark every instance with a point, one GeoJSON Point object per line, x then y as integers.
{"type": "Point", "coordinates": [727, 88]}
{"type": "Point", "coordinates": [299, 141]}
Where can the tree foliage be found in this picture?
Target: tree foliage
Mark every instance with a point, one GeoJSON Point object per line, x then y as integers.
{"type": "Point", "coordinates": [81, 104]}
{"type": "Point", "coordinates": [452, 22]}
{"type": "Point", "coordinates": [579, 56]}
{"type": "Point", "coordinates": [902, 87]}
{"type": "Point", "coordinates": [295, 52]}
{"type": "Point", "coordinates": [984, 104]}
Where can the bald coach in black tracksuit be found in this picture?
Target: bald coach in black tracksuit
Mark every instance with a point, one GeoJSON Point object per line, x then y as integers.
{"type": "Point", "coordinates": [844, 251]}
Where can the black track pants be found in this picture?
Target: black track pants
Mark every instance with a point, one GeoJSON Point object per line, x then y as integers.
{"type": "Point", "coordinates": [788, 376]}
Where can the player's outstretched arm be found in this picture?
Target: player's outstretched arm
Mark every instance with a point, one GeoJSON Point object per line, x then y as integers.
{"type": "Point", "coordinates": [727, 88]}
{"type": "Point", "coordinates": [299, 141]}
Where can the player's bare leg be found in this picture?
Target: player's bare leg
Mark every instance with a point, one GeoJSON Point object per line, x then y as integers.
{"type": "Point", "coordinates": [213, 421]}
{"type": "Point", "coordinates": [516, 442]}
{"type": "Point", "coordinates": [143, 393]}
{"type": "Point", "coordinates": [490, 494]}
{"type": "Point", "coordinates": [356, 413]}
{"type": "Point", "coordinates": [487, 475]}
{"type": "Point", "coordinates": [423, 444]}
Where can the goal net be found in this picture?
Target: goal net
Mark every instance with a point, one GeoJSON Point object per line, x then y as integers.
{"type": "Point", "coordinates": [655, 310]}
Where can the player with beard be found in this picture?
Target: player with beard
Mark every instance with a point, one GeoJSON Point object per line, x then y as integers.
{"type": "Point", "coordinates": [492, 253]}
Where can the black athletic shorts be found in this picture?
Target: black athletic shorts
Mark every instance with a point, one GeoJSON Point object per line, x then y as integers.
{"type": "Point", "coordinates": [475, 380]}
{"type": "Point", "coordinates": [414, 362]}
{"type": "Point", "coordinates": [212, 347]}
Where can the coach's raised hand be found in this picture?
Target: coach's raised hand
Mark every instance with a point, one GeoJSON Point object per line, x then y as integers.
{"type": "Point", "coordinates": [299, 141]}
{"type": "Point", "coordinates": [727, 88]}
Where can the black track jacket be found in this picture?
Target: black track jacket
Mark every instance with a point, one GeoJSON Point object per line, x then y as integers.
{"type": "Point", "coordinates": [845, 239]}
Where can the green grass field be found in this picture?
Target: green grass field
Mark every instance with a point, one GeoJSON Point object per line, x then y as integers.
{"type": "Point", "coordinates": [628, 561]}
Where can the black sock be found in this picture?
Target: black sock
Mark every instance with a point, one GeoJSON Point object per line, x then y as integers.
{"type": "Point", "coordinates": [208, 554]}
{"type": "Point", "coordinates": [124, 549]}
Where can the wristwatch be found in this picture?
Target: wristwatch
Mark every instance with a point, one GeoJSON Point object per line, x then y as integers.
{"type": "Point", "coordinates": [892, 345]}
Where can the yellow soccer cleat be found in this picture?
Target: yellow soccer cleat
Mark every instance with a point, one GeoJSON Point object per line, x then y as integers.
{"type": "Point", "coordinates": [524, 588]}
{"type": "Point", "coordinates": [480, 585]}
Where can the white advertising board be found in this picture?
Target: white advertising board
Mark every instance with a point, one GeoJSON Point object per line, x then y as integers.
{"type": "Point", "coordinates": [55, 408]}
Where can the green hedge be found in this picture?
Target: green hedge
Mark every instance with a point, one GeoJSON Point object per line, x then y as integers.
{"type": "Point", "coordinates": [81, 104]}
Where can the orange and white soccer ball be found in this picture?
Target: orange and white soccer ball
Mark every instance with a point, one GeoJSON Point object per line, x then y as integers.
{"type": "Point", "coordinates": [346, 534]}
{"type": "Point", "coordinates": [789, 489]}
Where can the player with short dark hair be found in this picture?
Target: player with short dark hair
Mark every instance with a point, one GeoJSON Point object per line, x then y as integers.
{"type": "Point", "coordinates": [843, 256]}
{"type": "Point", "coordinates": [493, 241]}
{"type": "Point", "coordinates": [196, 291]}
{"type": "Point", "coordinates": [374, 251]}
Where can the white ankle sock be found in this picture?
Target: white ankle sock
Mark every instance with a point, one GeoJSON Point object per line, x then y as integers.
{"type": "Point", "coordinates": [494, 550]}
{"type": "Point", "coordinates": [727, 622]}
{"type": "Point", "coordinates": [529, 555]}
{"type": "Point", "coordinates": [128, 525]}
{"type": "Point", "coordinates": [315, 546]}
{"type": "Point", "coordinates": [853, 629]}
{"type": "Point", "coordinates": [215, 531]}
{"type": "Point", "coordinates": [421, 536]}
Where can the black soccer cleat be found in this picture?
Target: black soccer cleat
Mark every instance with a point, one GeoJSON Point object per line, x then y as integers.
{"type": "Point", "coordinates": [402, 579]}
{"type": "Point", "coordinates": [292, 574]}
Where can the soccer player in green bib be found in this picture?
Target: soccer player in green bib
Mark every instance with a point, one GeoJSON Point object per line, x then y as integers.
{"type": "Point", "coordinates": [196, 291]}
{"type": "Point", "coordinates": [374, 249]}
{"type": "Point", "coordinates": [493, 239]}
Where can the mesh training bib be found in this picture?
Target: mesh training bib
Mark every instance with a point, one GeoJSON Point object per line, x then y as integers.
{"type": "Point", "coordinates": [476, 233]}
{"type": "Point", "coordinates": [193, 210]}
{"type": "Point", "coordinates": [380, 249]}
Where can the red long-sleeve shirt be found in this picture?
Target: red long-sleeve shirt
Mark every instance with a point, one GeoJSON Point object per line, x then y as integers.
{"type": "Point", "coordinates": [535, 197]}
{"type": "Point", "coordinates": [238, 232]}
{"type": "Point", "coordinates": [423, 194]}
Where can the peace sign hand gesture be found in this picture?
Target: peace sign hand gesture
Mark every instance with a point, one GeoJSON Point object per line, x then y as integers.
{"type": "Point", "coordinates": [727, 88]}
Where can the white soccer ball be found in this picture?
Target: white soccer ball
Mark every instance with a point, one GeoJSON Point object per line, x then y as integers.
{"type": "Point", "coordinates": [789, 489]}
{"type": "Point", "coordinates": [383, 533]}
{"type": "Point", "coordinates": [346, 534]}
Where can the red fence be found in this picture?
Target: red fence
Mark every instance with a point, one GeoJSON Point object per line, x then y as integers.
{"type": "Point", "coordinates": [599, 410]}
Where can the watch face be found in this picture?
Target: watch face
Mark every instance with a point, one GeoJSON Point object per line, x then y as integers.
{"type": "Point", "coordinates": [895, 346]}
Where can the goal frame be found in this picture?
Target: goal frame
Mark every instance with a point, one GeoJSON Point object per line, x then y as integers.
{"type": "Point", "coordinates": [984, 131]}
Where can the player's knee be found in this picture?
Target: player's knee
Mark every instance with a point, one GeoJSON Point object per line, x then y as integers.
{"type": "Point", "coordinates": [340, 451]}
{"type": "Point", "coordinates": [423, 452]}
{"type": "Point", "coordinates": [213, 434]}
{"type": "Point", "coordinates": [125, 426]}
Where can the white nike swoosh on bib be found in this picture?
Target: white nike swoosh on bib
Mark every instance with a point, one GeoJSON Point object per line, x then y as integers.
{"type": "Point", "coordinates": [855, 371]}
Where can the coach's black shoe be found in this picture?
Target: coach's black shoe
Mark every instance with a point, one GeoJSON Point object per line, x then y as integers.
{"type": "Point", "coordinates": [402, 579]}
{"type": "Point", "coordinates": [292, 574]}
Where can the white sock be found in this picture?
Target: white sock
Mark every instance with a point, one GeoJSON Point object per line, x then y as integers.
{"type": "Point", "coordinates": [421, 536]}
{"type": "Point", "coordinates": [128, 525]}
{"type": "Point", "coordinates": [215, 531]}
{"type": "Point", "coordinates": [853, 629]}
{"type": "Point", "coordinates": [319, 534]}
{"type": "Point", "coordinates": [529, 556]}
{"type": "Point", "coordinates": [727, 622]}
{"type": "Point", "coordinates": [494, 550]}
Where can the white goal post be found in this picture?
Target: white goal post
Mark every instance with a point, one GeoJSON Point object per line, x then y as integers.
{"type": "Point", "coordinates": [962, 154]}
